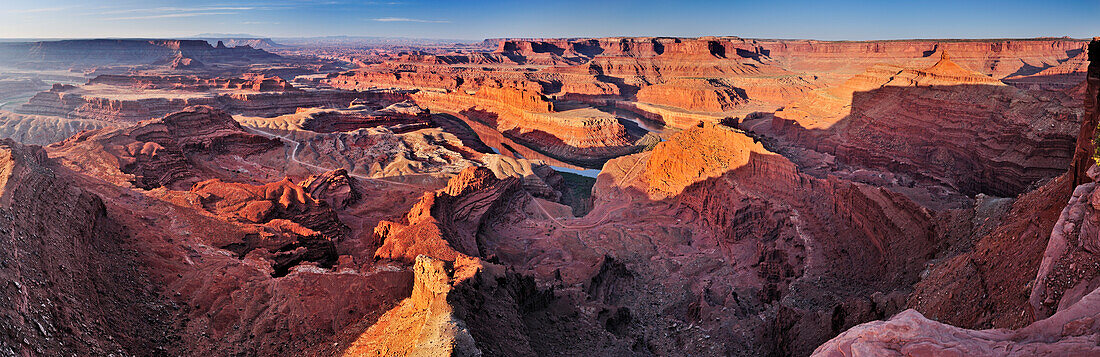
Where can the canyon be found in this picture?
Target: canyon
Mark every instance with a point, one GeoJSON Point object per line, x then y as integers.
{"type": "Point", "coordinates": [526, 197]}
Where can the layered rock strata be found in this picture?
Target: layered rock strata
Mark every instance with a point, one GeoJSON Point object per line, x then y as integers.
{"type": "Point", "coordinates": [173, 151]}
{"type": "Point", "coordinates": [934, 126]}
{"type": "Point", "coordinates": [1061, 296]}
{"type": "Point", "coordinates": [782, 228]}
{"type": "Point", "coordinates": [128, 104]}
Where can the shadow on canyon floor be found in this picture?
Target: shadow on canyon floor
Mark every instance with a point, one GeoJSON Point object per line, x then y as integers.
{"type": "Point", "coordinates": [760, 259]}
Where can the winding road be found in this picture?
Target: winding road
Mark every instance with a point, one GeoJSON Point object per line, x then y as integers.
{"type": "Point", "coordinates": [293, 156]}
{"type": "Point", "coordinates": [603, 217]}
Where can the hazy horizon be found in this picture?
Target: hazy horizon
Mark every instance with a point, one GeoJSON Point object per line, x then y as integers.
{"type": "Point", "coordinates": [457, 40]}
{"type": "Point", "coordinates": [478, 20]}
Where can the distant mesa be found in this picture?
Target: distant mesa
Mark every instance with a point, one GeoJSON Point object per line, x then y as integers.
{"type": "Point", "coordinates": [67, 54]}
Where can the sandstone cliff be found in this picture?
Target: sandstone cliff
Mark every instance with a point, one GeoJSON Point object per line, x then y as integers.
{"type": "Point", "coordinates": [68, 269]}
{"type": "Point", "coordinates": [693, 94]}
{"type": "Point", "coordinates": [1060, 297]}
{"type": "Point", "coordinates": [936, 126]}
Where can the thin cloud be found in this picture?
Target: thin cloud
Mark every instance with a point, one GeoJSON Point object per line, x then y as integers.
{"type": "Point", "coordinates": [352, 3]}
{"type": "Point", "coordinates": [41, 9]}
{"type": "Point", "coordinates": [164, 16]}
{"type": "Point", "coordinates": [180, 10]}
{"type": "Point", "coordinates": [405, 19]}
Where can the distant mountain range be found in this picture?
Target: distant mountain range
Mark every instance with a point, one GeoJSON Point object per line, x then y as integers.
{"type": "Point", "coordinates": [330, 40]}
{"type": "Point", "coordinates": [232, 41]}
{"type": "Point", "coordinates": [87, 53]}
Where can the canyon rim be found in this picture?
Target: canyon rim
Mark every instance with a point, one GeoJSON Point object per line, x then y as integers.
{"type": "Point", "coordinates": [351, 182]}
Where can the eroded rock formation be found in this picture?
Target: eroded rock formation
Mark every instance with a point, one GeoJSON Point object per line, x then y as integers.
{"type": "Point", "coordinates": [127, 99]}
{"type": "Point", "coordinates": [171, 151]}
{"type": "Point", "coordinates": [1058, 274]}
{"type": "Point", "coordinates": [899, 121]}
{"type": "Point", "coordinates": [43, 130]}
{"type": "Point", "coordinates": [334, 187]}
{"type": "Point", "coordinates": [67, 268]}
{"type": "Point", "coordinates": [775, 258]}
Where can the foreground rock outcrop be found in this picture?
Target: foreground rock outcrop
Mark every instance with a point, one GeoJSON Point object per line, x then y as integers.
{"type": "Point", "coordinates": [1062, 297]}
{"type": "Point", "coordinates": [68, 270]}
{"type": "Point", "coordinates": [466, 306]}
{"type": "Point", "coordinates": [909, 333]}
{"type": "Point", "coordinates": [1065, 284]}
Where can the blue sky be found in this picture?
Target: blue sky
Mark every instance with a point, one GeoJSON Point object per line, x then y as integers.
{"type": "Point", "coordinates": [475, 19]}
